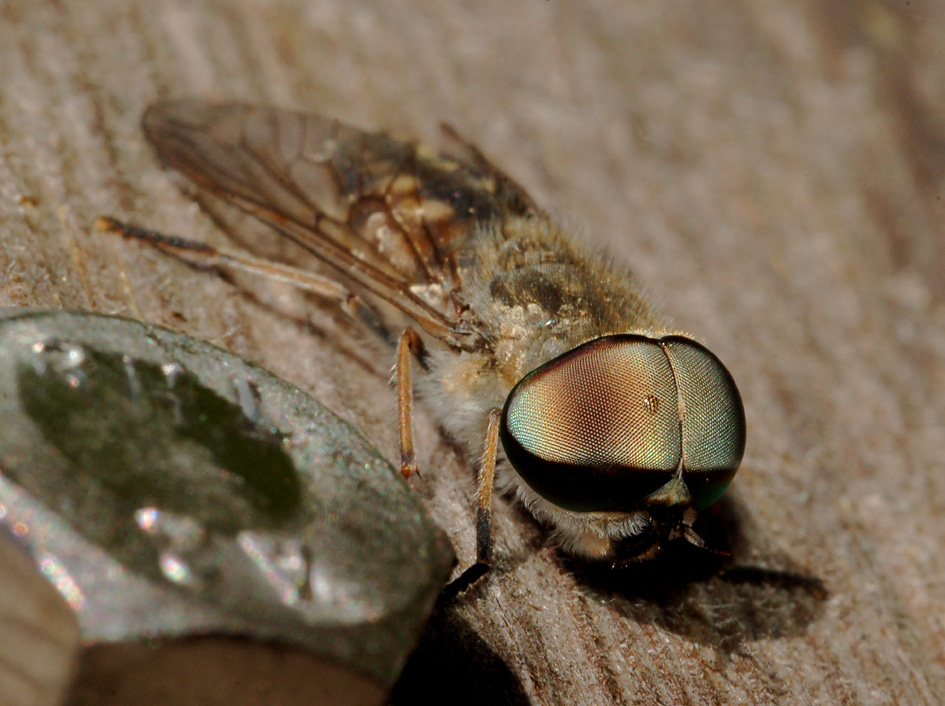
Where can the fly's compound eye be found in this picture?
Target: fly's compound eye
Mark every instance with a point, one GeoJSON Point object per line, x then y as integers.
{"type": "Point", "coordinates": [712, 419]}
{"type": "Point", "coordinates": [608, 423]}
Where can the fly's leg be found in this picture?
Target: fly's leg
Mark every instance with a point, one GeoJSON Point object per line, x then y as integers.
{"type": "Point", "coordinates": [484, 490]}
{"type": "Point", "coordinates": [409, 344]}
{"type": "Point", "coordinates": [207, 256]}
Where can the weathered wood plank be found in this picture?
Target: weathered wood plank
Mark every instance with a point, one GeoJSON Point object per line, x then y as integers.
{"type": "Point", "coordinates": [775, 172]}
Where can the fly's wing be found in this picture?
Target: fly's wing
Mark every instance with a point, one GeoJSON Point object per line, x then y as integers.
{"type": "Point", "coordinates": [388, 214]}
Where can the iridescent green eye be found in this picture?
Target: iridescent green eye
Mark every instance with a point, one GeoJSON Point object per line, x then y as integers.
{"type": "Point", "coordinates": [608, 423]}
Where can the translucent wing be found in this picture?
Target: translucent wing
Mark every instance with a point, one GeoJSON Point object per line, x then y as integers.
{"type": "Point", "coordinates": [388, 214]}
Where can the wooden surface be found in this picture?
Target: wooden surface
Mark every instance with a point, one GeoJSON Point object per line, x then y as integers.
{"type": "Point", "coordinates": [775, 173]}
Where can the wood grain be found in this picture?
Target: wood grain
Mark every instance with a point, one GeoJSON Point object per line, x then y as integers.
{"type": "Point", "coordinates": [775, 172]}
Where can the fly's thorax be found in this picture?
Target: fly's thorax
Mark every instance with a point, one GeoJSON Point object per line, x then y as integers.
{"type": "Point", "coordinates": [537, 294]}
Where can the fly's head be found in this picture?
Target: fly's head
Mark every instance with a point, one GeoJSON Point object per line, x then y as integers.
{"type": "Point", "coordinates": [623, 440]}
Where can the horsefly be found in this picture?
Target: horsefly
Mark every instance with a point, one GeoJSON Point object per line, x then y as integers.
{"type": "Point", "coordinates": [538, 354]}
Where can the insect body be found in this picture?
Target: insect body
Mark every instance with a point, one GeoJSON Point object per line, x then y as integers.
{"type": "Point", "coordinates": [610, 428]}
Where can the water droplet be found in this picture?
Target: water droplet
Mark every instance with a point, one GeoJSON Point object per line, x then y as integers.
{"type": "Point", "coordinates": [176, 571]}
{"type": "Point", "coordinates": [172, 371]}
{"type": "Point", "coordinates": [312, 583]}
{"type": "Point", "coordinates": [146, 518]}
{"type": "Point", "coordinates": [63, 354]}
{"type": "Point", "coordinates": [184, 547]}
{"type": "Point", "coordinates": [282, 561]}
{"type": "Point", "coordinates": [182, 533]}
{"type": "Point", "coordinates": [59, 576]}
{"type": "Point", "coordinates": [134, 386]}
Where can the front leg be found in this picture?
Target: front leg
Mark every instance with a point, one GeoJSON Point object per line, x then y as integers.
{"type": "Point", "coordinates": [484, 491]}
{"type": "Point", "coordinates": [410, 344]}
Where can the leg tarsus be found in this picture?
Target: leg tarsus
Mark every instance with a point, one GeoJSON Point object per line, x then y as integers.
{"type": "Point", "coordinates": [462, 583]}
